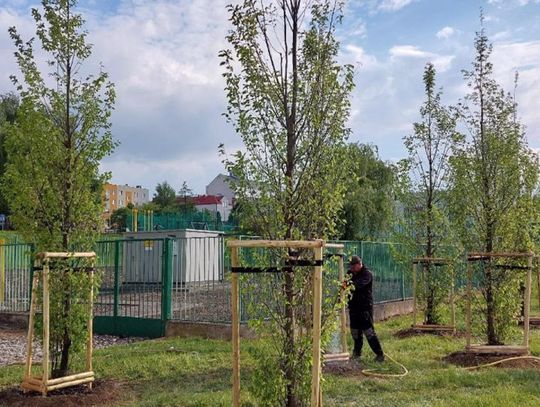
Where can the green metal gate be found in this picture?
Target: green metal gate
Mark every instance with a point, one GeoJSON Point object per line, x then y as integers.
{"type": "Point", "coordinates": [134, 298]}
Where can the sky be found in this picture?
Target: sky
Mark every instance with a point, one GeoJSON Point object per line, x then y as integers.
{"type": "Point", "coordinates": [162, 56]}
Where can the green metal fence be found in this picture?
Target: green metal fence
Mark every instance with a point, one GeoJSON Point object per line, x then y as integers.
{"type": "Point", "coordinates": [392, 281]}
{"type": "Point", "coordinates": [16, 263]}
{"type": "Point", "coordinates": [175, 221]}
{"type": "Point", "coordinates": [146, 282]}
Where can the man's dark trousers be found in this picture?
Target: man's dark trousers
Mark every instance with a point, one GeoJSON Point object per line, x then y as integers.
{"type": "Point", "coordinates": [362, 324]}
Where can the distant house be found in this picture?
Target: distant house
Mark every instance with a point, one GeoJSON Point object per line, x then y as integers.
{"type": "Point", "coordinates": [221, 186]}
{"type": "Point", "coordinates": [119, 196]}
{"type": "Point", "coordinates": [214, 204]}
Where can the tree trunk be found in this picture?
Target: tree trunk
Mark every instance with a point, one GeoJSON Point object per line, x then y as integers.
{"type": "Point", "coordinates": [492, 335]}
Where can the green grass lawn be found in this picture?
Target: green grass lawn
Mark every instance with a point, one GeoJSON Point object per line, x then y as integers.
{"type": "Point", "coordinates": [196, 372]}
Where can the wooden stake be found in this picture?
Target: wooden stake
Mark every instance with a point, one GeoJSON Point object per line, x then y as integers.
{"type": "Point", "coordinates": [316, 399]}
{"type": "Point", "coordinates": [527, 304]}
{"type": "Point", "coordinates": [298, 244]}
{"type": "Point", "coordinates": [70, 378]}
{"type": "Point", "coordinates": [46, 323]}
{"type": "Point", "coordinates": [30, 338]}
{"type": "Point", "coordinates": [343, 313]}
{"type": "Point", "coordinates": [31, 386]}
{"type": "Point", "coordinates": [71, 383]}
{"type": "Point", "coordinates": [235, 329]}
{"type": "Point", "coordinates": [469, 301]}
{"type": "Point", "coordinates": [64, 255]}
{"type": "Point", "coordinates": [89, 343]}
{"type": "Point", "coordinates": [538, 279]}
{"type": "Point", "coordinates": [2, 270]}
{"type": "Point", "coordinates": [500, 350]}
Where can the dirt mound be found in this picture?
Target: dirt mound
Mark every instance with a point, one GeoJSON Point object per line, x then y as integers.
{"type": "Point", "coordinates": [407, 333]}
{"type": "Point", "coordinates": [349, 368]}
{"type": "Point", "coordinates": [103, 392]}
{"type": "Point", "coordinates": [468, 359]}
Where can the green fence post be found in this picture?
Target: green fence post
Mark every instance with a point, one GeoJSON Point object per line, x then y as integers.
{"type": "Point", "coordinates": [402, 284]}
{"type": "Point", "coordinates": [166, 278]}
{"type": "Point", "coordinates": [32, 247]}
{"type": "Point", "coordinates": [116, 277]}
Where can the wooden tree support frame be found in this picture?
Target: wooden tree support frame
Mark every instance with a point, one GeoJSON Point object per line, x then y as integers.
{"type": "Point", "coordinates": [433, 327]}
{"type": "Point", "coordinates": [43, 384]}
{"type": "Point", "coordinates": [512, 350]}
{"type": "Point", "coordinates": [317, 247]}
{"type": "Point", "coordinates": [344, 355]}
{"type": "Point", "coordinates": [534, 321]}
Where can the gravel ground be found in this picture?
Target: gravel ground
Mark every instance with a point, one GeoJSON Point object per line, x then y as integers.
{"type": "Point", "coordinates": [13, 345]}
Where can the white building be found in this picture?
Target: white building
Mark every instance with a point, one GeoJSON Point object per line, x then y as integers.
{"type": "Point", "coordinates": [214, 204]}
{"type": "Point", "coordinates": [221, 186]}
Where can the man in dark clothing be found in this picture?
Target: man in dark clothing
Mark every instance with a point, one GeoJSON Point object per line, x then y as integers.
{"type": "Point", "coordinates": [361, 309]}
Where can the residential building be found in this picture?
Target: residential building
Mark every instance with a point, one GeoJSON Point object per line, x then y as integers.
{"type": "Point", "coordinates": [213, 203]}
{"type": "Point", "coordinates": [119, 196]}
{"type": "Point", "coordinates": [221, 186]}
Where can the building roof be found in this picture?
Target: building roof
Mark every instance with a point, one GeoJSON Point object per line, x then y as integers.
{"type": "Point", "coordinates": [207, 199]}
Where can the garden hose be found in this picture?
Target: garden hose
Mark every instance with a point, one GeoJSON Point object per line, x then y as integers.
{"type": "Point", "coordinates": [501, 361]}
{"type": "Point", "coordinates": [373, 373]}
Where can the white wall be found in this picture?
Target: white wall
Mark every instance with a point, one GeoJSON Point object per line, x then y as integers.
{"type": "Point", "coordinates": [220, 186]}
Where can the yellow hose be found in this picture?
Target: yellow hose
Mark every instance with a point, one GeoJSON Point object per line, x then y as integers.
{"type": "Point", "coordinates": [501, 361]}
{"type": "Point", "coordinates": [372, 373]}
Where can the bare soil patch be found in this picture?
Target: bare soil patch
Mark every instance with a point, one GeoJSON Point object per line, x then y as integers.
{"type": "Point", "coordinates": [468, 359]}
{"type": "Point", "coordinates": [103, 392]}
{"type": "Point", "coordinates": [349, 368]}
{"type": "Point", "coordinates": [407, 333]}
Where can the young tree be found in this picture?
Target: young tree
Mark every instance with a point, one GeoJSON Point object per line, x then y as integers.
{"type": "Point", "coordinates": [289, 102]}
{"type": "Point", "coordinates": [424, 182]}
{"type": "Point", "coordinates": [165, 196]}
{"type": "Point", "coordinates": [9, 106]}
{"type": "Point", "coordinates": [119, 217]}
{"type": "Point", "coordinates": [52, 180]}
{"type": "Point", "coordinates": [369, 200]}
{"type": "Point", "coordinates": [494, 174]}
{"type": "Point", "coordinates": [185, 193]}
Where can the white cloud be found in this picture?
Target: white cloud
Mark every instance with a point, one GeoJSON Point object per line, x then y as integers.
{"type": "Point", "coordinates": [515, 2]}
{"type": "Point", "coordinates": [488, 18]}
{"type": "Point", "coordinates": [523, 57]}
{"type": "Point", "coordinates": [163, 58]}
{"type": "Point", "coordinates": [393, 5]}
{"type": "Point", "coordinates": [360, 30]}
{"type": "Point", "coordinates": [445, 32]}
{"type": "Point", "coordinates": [501, 35]}
{"type": "Point", "coordinates": [441, 62]}
{"type": "Point", "coordinates": [356, 55]}
{"type": "Point", "coordinates": [407, 51]}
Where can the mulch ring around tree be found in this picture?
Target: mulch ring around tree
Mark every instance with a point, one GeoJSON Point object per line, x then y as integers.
{"type": "Point", "coordinates": [409, 332]}
{"type": "Point", "coordinates": [349, 368]}
{"type": "Point", "coordinates": [103, 392]}
{"type": "Point", "coordinates": [468, 359]}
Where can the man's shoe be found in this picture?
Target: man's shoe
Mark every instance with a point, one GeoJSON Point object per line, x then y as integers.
{"type": "Point", "coordinates": [379, 358]}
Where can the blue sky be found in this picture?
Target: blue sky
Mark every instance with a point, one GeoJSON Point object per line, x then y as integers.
{"type": "Point", "coordinates": [162, 56]}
